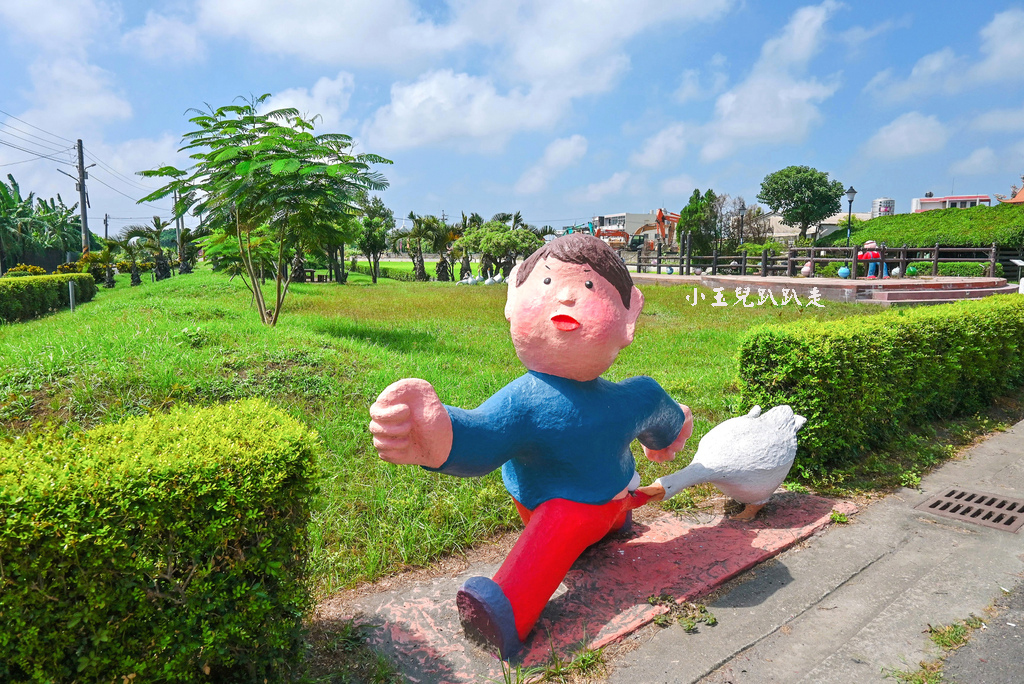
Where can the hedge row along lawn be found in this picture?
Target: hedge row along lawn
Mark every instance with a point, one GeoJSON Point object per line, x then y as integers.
{"type": "Point", "coordinates": [163, 548]}
{"type": "Point", "coordinates": [866, 384]}
{"type": "Point", "coordinates": [27, 297]}
{"type": "Point", "coordinates": [975, 227]}
{"type": "Point", "coordinates": [194, 340]}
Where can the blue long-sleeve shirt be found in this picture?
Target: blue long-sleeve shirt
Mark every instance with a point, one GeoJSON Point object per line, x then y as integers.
{"type": "Point", "coordinates": [560, 438]}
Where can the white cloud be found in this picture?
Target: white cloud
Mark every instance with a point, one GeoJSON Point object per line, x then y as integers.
{"type": "Point", "coordinates": [691, 86]}
{"type": "Point", "coordinates": [352, 32]}
{"type": "Point", "coordinates": [1000, 121]}
{"type": "Point", "coordinates": [165, 38]}
{"type": "Point", "coordinates": [909, 135]}
{"type": "Point", "coordinates": [943, 71]}
{"type": "Point", "coordinates": [663, 147]}
{"type": "Point", "coordinates": [857, 36]}
{"type": "Point", "coordinates": [680, 186]}
{"type": "Point", "coordinates": [980, 161]}
{"type": "Point", "coordinates": [443, 106]}
{"type": "Point", "coordinates": [558, 155]}
{"type": "Point", "coordinates": [71, 97]}
{"type": "Point", "coordinates": [542, 54]}
{"type": "Point", "coordinates": [596, 192]}
{"type": "Point", "coordinates": [64, 28]}
{"type": "Point", "coordinates": [329, 97]}
{"type": "Point", "coordinates": [775, 104]}
{"type": "Point", "coordinates": [1003, 48]}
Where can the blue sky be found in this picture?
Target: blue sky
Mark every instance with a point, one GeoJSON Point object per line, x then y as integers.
{"type": "Point", "coordinates": [561, 109]}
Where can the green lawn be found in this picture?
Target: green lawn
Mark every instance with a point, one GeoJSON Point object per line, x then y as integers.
{"type": "Point", "coordinates": [195, 339]}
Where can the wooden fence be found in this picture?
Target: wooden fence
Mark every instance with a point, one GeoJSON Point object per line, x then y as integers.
{"type": "Point", "coordinates": [789, 264]}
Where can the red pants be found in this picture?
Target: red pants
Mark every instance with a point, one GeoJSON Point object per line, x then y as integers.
{"type": "Point", "coordinates": [556, 533]}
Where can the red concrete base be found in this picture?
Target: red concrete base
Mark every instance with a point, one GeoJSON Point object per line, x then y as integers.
{"type": "Point", "coordinates": [605, 593]}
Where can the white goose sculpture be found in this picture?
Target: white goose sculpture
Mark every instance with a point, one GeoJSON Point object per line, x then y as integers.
{"type": "Point", "coordinates": [746, 457]}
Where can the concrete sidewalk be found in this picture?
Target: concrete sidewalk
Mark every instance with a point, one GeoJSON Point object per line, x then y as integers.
{"type": "Point", "coordinates": [856, 600]}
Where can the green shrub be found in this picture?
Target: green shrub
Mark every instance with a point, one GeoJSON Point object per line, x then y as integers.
{"type": "Point", "coordinates": [975, 227]}
{"type": "Point", "coordinates": [69, 267]}
{"type": "Point", "coordinates": [22, 270]}
{"type": "Point", "coordinates": [863, 381]}
{"type": "Point", "coordinates": [392, 273]}
{"type": "Point", "coordinates": [962, 269]}
{"type": "Point", "coordinates": [831, 269]}
{"type": "Point", "coordinates": [171, 548]}
{"type": "Point", "coordinates": [32, 296]}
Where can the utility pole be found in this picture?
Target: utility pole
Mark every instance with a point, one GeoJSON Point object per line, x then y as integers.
{"type": "Point", "coordinates": [177, 227]}
{"type": "Point", "coordinates": [106, 217]}
{"type": "Point", "coordinates": [83, 196]}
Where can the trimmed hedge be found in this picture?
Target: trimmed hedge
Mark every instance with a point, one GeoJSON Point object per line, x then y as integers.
{"type": "Point", "coordinates": [975, 227]}
{"type": "Point", "coordinates": [962, 269]}
{"type": "Point", "coordinates": [383, 272]}
{"type": "Point", "coordinates": [32, 296]}
{"type": "Point", "coordinates": [172, 548]}
{"type": "Point", "coordinates": [863, 381]}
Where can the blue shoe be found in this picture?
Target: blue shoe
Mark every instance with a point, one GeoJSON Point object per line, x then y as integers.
{"type": "Point", "coordinates": [487, 616]}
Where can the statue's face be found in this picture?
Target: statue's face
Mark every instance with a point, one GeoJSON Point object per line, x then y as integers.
{"type": "Point", "coordinates": [567, 320]}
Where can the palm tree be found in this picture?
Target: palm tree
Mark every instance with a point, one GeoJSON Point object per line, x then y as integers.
{"type": "Point", "coordinates": [149, 238]}
{"type": "Point", "coordinates": [134, 252]}
{"type": "Point", "coordinates": [17, 221]}
{"type": "Point", "coordinates": [459, 251]}
{"type": "Point", "coordinates": [416, 235]}
{"type": "Point", "coordinates": [189, 247]}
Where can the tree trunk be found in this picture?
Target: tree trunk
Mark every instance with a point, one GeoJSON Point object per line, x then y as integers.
{"type": "Point", "coordinates": [485, 266]}
{"type": "Point", "coordinates": [465, 269]}
{"type": "Point", "coordinates": [417, 260]}
{"type": "Point", "coordinates": [161, 269]}
{"type": "Point", "coordinates": [375, 268]}
{"type": "Point", "coordinates": [136, 280]}
{"type": "Point", "coordinates": [443, 272]}
{"type": "Point", "coordinates": [343, 276]}
{"type": "Point", "coordinates": [298, 268]}
{"type": "Point", "coordinates": [108, 281]}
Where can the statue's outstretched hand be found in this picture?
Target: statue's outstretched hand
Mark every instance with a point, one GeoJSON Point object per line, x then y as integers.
{"type": "Point", "coordinates": [669, 452]}
{"type": "Point", "coordinates": [410, 424]}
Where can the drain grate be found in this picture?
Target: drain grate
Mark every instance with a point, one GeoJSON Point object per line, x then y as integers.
{"type": "Point", "coordinates": [990, 510]}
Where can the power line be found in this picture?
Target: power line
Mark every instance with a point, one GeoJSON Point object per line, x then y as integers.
{"type": "Point", "coordinates": [114, 171]}
{"type": "Point", "coordinates": [31, 139]}
{"type": "Point", "coordinates": [38, 154]}
{"type": "Point", "coordinates": [21, 162]}
{"type": "Point", "coordinates": [52, 135]}
{"type": "Point", "coordinates": [145, 204]}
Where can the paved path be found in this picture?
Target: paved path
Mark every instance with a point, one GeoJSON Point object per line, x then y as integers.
{"type": "Point", "coordinates": [603, 598]}
{"type": "Point", "coordinates": [856, 600]}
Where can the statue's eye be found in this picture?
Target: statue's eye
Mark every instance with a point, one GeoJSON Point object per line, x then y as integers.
{"type": "Point", "coordinates": [547, 281]}
{"type": "Point", "coordinates": [589, 284]}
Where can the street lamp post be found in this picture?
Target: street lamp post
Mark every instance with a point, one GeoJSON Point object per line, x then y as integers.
{"type": "Point", "coordinates": [850, 194]}
{"type": "Point", "coordinates": [742, 211]}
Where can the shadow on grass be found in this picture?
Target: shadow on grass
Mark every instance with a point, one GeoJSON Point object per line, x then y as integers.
{"type": "Point", "coordinates": [398, 339]}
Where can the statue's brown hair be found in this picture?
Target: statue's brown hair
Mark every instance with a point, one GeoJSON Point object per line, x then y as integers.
{"type": "Point", "coordinates": [579, 248]}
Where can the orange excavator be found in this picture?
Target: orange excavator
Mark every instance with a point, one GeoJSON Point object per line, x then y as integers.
{"type": "Point", "coordinates": [664, 234]}
{"type": "Point", "coordinates": [617, 238]}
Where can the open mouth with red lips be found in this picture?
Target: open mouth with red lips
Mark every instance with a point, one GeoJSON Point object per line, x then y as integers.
{"type": "Point", "coordinates": [565, 323]}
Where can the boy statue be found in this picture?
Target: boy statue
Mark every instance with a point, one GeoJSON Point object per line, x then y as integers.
{"type": "Point", "coordinates": [560, 433]}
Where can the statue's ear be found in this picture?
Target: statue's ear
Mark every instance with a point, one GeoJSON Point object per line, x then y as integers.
{"type": "Point", "coordinates": [510, 298]}
{"type": "Point", "coordinates": [636, 304]}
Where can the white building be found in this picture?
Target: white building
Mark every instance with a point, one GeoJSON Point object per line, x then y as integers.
{"type": "Point", "coordinates": [883, 206]}
{"type": "Point", "coordinates": [929, 202]}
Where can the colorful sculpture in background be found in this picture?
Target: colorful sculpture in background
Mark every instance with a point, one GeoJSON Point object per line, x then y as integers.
{"type": "Point", "coordinates": [871, 252]}
{"type": "Point", "coordinates": [560, 433]}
